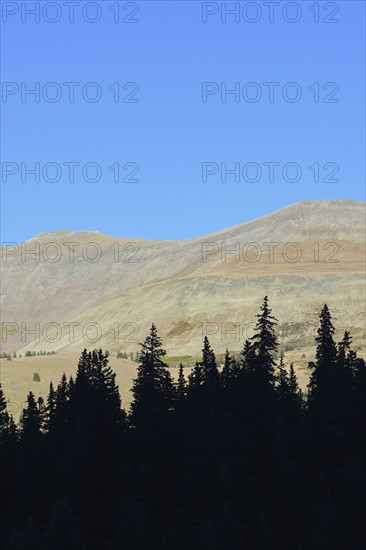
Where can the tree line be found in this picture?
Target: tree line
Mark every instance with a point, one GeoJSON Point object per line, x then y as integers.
{"type": "Point", "coordinates": [222, 459]}
{"type": "Point", "coordinates": [28, 353]}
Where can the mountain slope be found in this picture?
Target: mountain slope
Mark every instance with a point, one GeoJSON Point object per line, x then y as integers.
{"type": "Point", "coordinates": [301, 256]}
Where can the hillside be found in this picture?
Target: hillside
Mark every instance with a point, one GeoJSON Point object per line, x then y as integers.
{"type": "Point", "coordinates": [188, 287]}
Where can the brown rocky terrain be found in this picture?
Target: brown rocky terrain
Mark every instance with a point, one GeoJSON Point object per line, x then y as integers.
{"type": "Point", "coordinates": [301, 256]}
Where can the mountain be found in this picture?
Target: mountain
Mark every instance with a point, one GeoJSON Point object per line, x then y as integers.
{"type": "Point", "coordinates": [212, 284]}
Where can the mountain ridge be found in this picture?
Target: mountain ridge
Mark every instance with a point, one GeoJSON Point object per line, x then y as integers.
{"type": "Point", "coordinates": [301, 256]}
{"type": "Point", "coordinates": [304, 203]}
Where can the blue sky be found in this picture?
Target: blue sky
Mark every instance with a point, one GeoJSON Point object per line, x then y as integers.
{"type": "Point", "coordinates": [170, 132]}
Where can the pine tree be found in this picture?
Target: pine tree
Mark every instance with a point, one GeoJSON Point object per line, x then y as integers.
{"type": "Point", "coordinates": [31, 420]}
{"type": "Point", "coordinates": [42, 408]}
{"type": "Point", "coordinates": [283, 382]}
{"type": "Point", "coordinates": [344, 380]}
{"type": "Point", "coordinates": [326, 350]}
{"type": "Point", "coordinates": [12, 432]}
{"type": "Point", "coordinates": [344, 347]}
{"type": "Point", "coordinates": [84, 368]}
{"type": "Point", "coordinates": [208, 363]}
{"type": "Point", "coordinates": [294, 385]}
{"type": "Point", "coordinates": [247, 361]}
{"type": "Point", "coordinates": [264, 344]}
{"type": "Point", "coordinates": [181, 387]}
{"type": "Point", "coordinates": [61, 416]}
{"type": "Point", "coordinates": [4, 417]}
{"type": "Point", "coordinates": [207, 396]}
{"type": "Point", "coordinates": [330, 395]}
{"type": "Point", "coordinates": [93, 399]}
{"type": "Point", "coordinates": [71, 385]}
{"type": "Point", "coordinates": [195, 379]}
{"type": "Point", "coordinates": [50, 408]}
{"type": "Point", "coordinates": [321, 382]}
{"type": "Point", "coordinates": [346, 364]}
{"type": "Point", "coordinates": [30, 455]}
{"type": "Point", "coordinates": [153, 388]}
{"type": "Point", "coordinates": [230, 369]}
{"type": "Point", "coordinates": [91, 422]}
{"type": "Point", "coordinates": [103, 380]}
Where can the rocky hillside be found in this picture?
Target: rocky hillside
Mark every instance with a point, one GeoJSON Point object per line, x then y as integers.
{"type": "Point", "coordinates": [68, 290]}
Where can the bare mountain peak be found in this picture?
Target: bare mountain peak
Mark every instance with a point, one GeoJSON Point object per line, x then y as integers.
{"type": "Point", "coordinates": [63, 233]}
{"type": "Point", "coordinates": [338, 211]}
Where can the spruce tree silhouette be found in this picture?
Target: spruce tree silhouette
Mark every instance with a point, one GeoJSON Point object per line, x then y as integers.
{"type": "Point", "coordinates": [4, 417]}
{"type": "Point", "coordinates": [323, 390]}
{"type": "Point", "coordinates": [325, 359]}
{"type": "Point", "coordinates": [320, 395]}
{"type": "Point", "coordinates": [153, 388]}
{"type": "Point", "coordinates": [208, 363]}
{"type": "Point", "coordinates": [230, 370]}
{"type": "Point", "coordinates": [31, 421]}
{"type": "Point", "coordinates": [181, 386]}
{"type": "Point", "coordinates": [50, 409]}
{"type": "Point", "coordinates": [264, 343]}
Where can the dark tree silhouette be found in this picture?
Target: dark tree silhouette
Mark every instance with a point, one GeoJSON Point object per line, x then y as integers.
{"type": "Point", "coordinates": [231, 459]}
{"type": "Point", "coordinates": [153, 388]}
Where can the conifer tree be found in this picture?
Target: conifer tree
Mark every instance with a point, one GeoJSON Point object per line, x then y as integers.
{"type": "Point", "coordinates": [61, 416]}
{"type": "Point", "coordinates": [208, 363]}
{"type": "Point", "coordinates": [30, 453]}
{"type": "Point", "coordinates": [153, 388]}
{"type": "Point", "coordinates": [4, 417]}
{"type": "Point", "coordinates": [240, 463]}
{"type": "Point", "coordinates": [330, 395]}
{"type": "Point", "coordinates": [344, 379]}
{"type": "Point", "coordinates": [12, 430]}
{"type": "Point", "coordinates": [322, 380]}
{"type": "Point", "coordinates": [181, 388]}
{"type": "Point", "coordinates": [344, 347]}
{"type": "Point", "coordinates": [50, 408]}
{"type": "Point", "coordinates": [71, 386]}
{"type": "Point", "coordinates": [31, 420]}
{"type": "Point", "coordinates": [283, 382]}
{"type": "Point", "coordinates": [195, 379]}
{"type": "Point", "coordinates": [247, 361]}
{"type": "Point", "coordinates": [326, 350]}
{"type": "Point", "coordinates": [294, 385]}
{"type": "Point", "coordinates": [103, 380]}
{"type": "Point", "coordinates": [83, 372]}
{"type": "Point", "coordinates": [264, 344]}
{"type": "Point", "coordinates": [230, 370]}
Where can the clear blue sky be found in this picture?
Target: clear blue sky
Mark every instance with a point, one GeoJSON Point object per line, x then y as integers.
{"type": "Point", "coordinates": [170, 132]}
